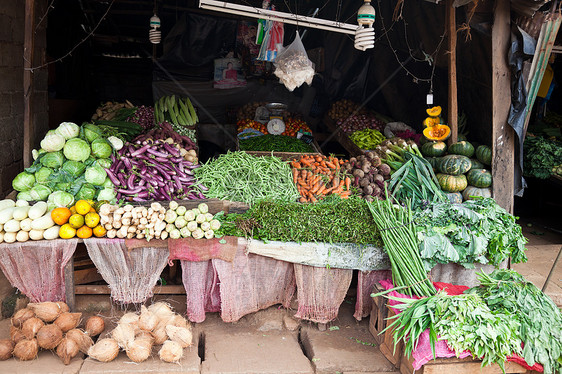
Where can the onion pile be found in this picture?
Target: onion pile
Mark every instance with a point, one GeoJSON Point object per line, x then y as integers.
{"type": "Point", "coordinates": [344, 108]}
{"type": "Point", "coordinates": [360, 122]}
{"type": "Point", "coordinates": [144, 116]}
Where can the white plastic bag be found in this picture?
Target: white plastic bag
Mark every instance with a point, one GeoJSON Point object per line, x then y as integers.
{"type": "Point", "coordinates": [292, 66]}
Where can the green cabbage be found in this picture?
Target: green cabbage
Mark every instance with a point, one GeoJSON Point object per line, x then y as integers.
{"type": "Point", "coordinates": [74, 168]}
{"type": "Point", "coordinates": [107, 194]}
{"type": "Point", "coordinates": [101, 148]}
{"type": "Point", "coordinates": [87, 192]}
{"type": "Point", "coordinates": [76, 150]}
{"type": "Point", "coordinates": [40, 192]}
{"type": "Point", "coordinates": [23, 181]}
{"type": "Point", "coordinates": [115, 142]}
{"type": "Point", "coordinates": [42, 175]}
{"type": "Point", "coordinates": [104, 163]}
{"type": "Point", "coordinates": [68, 130]}
{"type": "Point", "coordinates": [62, 186]}
{"type": "Point", "coordinates": [36, 153]}
{"type": "Point", "coordinates": [95, 175]}
{"type": "Point", "coordinates": [107, 183]}
{"type": "Point", "coordinates": [52, 142]}
{"type": "Point", "coordinates": [52, 160]}
{"type": "Point", "coordinates": [92, 132]}
{"type": "Point", "coordinates": [24, 195]}
{"type": "Point", "coordinates": [59, 199]}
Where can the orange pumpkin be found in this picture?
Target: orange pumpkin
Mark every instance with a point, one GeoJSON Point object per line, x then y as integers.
{"type": "Point", "coordinates": [437, 132]}
{"type": "Point", "coordinates": [434, 111]}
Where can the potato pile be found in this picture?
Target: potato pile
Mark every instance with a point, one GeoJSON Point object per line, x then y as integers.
{"type": "Point", "coordinates": [369, 175]}
{"type": "Point", "coordinates": [344, 108]}
{"type": "Point", "coordinates": [136, 334]}
{"type": "Point", "coordinates": [49, 326]}
{"type": "Point", "coordinates": [248, 111]}
{"type": "Point", "coordinates": [108, 110]}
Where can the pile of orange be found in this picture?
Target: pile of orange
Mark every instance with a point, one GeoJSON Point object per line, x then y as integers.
{"type": "Point", "coordinates": [79, 220]}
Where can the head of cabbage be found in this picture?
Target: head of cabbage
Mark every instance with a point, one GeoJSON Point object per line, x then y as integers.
{"type": "Point", "coordinates": [68, 130]}
{"type": "Point", "coordinates": [104, 163]}
{"type": "Point", "coordinates": [40, 192]}
{"type": "Point", "coordinates": [91, 131]}
{"type": "Point", "coordinates": [62, 186]}
{"type": "Point", "coordinates": [74, 168]}
{"type": "Point", "coordinates": [101, 148]}
{"type": "Point", "coordinates": [60, 199]}
{"type": "Point", "coordinates": [107, 183]}
{"type": "Point", "coordinates": [36, 153]}
{"type": "Point", "coordinates": [87, 192]}
{"type": "Point", "coordinates": [24, 181]}
{"type": "Point", "coordinates": [42, 175]}
{"type": "Point", "coordinates": [24, 195]}
{"type": "Point", "coordinates": [52, 160]}
{"type": "Point", "coordinates": [77, 150]}
{"type": "Point", "coordinates": [95, 175]}
{"type": "Point", "coordinates": [52, 142]}
{"type": "Point", "coordinates": [108, 194]}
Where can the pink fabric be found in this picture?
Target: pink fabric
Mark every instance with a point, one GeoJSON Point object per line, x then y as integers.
{"type": "Point", "coordinates": [190, 249]}
{"type": "Point", "coordinates": [521, 361]}
{"type": "Point", "coordinates": [202, 289]}
{"type": "Point", "coordinates": [252, 283]}
{"type": "Point", "coordinates": [365, 282]}
{"type": "Point", "coordinates": [320, 292]}
{"type": "Point", "coordinates": [36, 268]}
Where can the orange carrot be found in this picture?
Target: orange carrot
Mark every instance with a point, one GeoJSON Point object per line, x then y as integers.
{"type": "Point", "coordinates": [316, 187]}
{"type": "Point", "coordinates": [345, 194]}
{"type": "Point", "coordinates": [305, 162]}
{"type": "Point", "coordinates": [347, 183]}
{"type": "Point", "coordinates": [330, 165]}
{"type": "Point", "coordinates": [321, 189]}
{"type": "Point", "coordinates": [303, 200]}
{"type": "Point", "coordinates": [295, 175]}
{"type": "Point", "coordinates": [313, 199]}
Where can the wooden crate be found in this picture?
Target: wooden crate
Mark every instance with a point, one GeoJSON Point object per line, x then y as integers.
{"type": "Point", "coordinates": [460, 366]}
{"type": "Point", "coordinates": [377, 319]}
{"type": "Point", "coordinates": [342, 137]}
{"type": "Point", "coordinates": [387, 346]}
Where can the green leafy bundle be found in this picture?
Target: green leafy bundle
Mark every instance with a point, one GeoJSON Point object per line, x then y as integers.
{"type": "Point", "coordinates": [465, 321]}
{"type": "Point", "coordinates": [506, 291]}
{"type": "Point", "coordinates": [331, 220]}
{"type": "Point", "coordinates": [540, 156]}
{"type": "Point", "coordinates": [275, 143]}
{"type": "Point", "coordinates": [478, 231]}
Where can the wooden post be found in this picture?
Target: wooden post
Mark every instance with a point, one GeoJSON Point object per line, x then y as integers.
{"type": "Point", "coordinates": [69, 284]}
{"type": "Point", "coordinates": [28, 47]}
{"type": "Point", "coordinates": [452, 107]}
{"type": "Point", "coordinates": [503, 137]}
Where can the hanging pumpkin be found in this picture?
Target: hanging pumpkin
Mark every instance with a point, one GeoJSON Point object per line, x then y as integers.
{"type": "Point", "coordinates": [434, 111]}
{"type": "Point", "coordinates": [437, 132]}
{"type": "Point", "coordinates": [431, 121]}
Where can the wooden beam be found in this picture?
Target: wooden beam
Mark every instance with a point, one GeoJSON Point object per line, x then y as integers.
{"type": "Point", "coordinates": [28, 47]}
{"type": "Point", "coordinates": [503, 136]}
{"type": "Point", "coordinates": [69, 284]}
{"type": "Point", "coordinates": [104, 290]}
{"type": "Point", "coordinates": [452, 105]}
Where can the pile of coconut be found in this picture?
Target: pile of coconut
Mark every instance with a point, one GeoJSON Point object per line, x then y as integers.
{"type": "Point", "coordinates": [49, 326]}
{"type": "Point", "coordinates": [136, 334]}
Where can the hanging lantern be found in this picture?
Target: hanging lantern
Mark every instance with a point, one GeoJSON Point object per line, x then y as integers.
{"type": "Point", "coordinates": [365, 33]}
{"type": "Point", "coordinates": [154, 34]}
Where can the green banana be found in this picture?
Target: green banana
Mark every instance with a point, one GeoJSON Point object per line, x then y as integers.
{"type": "Point", "coordinates": [185, 111]}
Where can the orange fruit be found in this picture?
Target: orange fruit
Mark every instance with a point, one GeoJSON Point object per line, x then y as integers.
{"type": "Point", "coordinates": [67, 232]}
{"type": "Point", "coordinates": [99, 231]}
{"type": "Point", "coordinates": [84, 232]}
{"type": "Point", "coordinates": [73, 209]}
{"type": "Point", "coordinates": [82, 207]}
{"type": "Point", "coordinates": [76, 221]}
{"type": "Point", "coordinates": [92, 219]}
{"type": "Point", "coordinates": [61, 215]}
{"type": "Point", "coordinates": [92, 210]}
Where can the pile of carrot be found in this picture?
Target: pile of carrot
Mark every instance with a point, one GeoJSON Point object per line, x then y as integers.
{"type": "Point", "coordinates": [317, 176]}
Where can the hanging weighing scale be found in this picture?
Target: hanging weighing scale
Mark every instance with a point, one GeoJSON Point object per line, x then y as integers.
{"type": "Point", "coordinates": [276, 123]}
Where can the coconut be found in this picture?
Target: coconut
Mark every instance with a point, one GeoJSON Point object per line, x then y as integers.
{"type": "Point", "coordinates": [139, 350]}
{"type": "Point", "coordinates": [104, 350]}
{"type": "Point", "coordinates": [161, 310]}
{"type": "Point", "coordinates": [67, 321]}
{"type": "Point", "coordinates": [129, 319]}
{"type": "Point", "coordinates": [49, 336]}
{"type": "Point", "coordinates": [159, 335]}
{"type": "Point", "coordinates": [63, 307]}
{"type": "Point", "coordinates": [16, 334]}
{"type": "Point", "coordinates": [95, 326]}
{"type": "Point", "coordinates": [171, 351]}
{"type": "Point", "coordinates": [179, 321]}
{"type": "Point", "coordinates": [145, 335]}
{"type": "Point", "coordinates": [26, 349]}
{"type": "Point", "coordinates": [147, 320]}
{"type": "Point", "coordinates": [47, 311]}
{"type": "Point", "coordinates": [82, 339]}
{"type": "Point", "coordinates": [67, 350]}
{"type": "Point", "coordinates": [31, 326]}
{"type": "Point", "coordinates": [21, 316]}
{"type": "Point", "coordinates": [6, 349]}
{"type": "Point", "coordinates": [180, 335]}
{"type": "Point", "coordinates": [124, 334]}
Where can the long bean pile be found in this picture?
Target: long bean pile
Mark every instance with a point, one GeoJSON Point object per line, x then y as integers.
{"type": "Point", "coordinates": [275, 143]}
{"type": "Point", "coordinates": [238, 176]}
{"type": "Point", "coordinates": [399, 238]}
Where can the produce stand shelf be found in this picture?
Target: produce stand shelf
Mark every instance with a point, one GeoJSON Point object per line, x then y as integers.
{"type": "Point", "coordinates": [342, 137]}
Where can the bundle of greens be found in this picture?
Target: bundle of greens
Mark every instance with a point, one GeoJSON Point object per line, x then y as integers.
{"type": "Point", "coordinates": [506, 291]}
{"type": "Point", "coordinates": [465, 321]}
{"type": "Point", "coordinates": [478, 231]}
{"type": "Point", "coordinates": [540, 156]}
{"type": "Point", "coordinates": [238, 176]}
{"type": "Point", "coordinates": [331, 220]}
{"type": "Point", "coordinates": [275, 143]}
{"type": "Point", "coordinates": [397, 230]}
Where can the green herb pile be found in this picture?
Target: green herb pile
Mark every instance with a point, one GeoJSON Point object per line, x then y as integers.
{"type": "Point", "coordinates": [238, 176]}
{"type": "Point", "coordinates": [465, 321]}
{"type": "Point", "coordinates": [540, 157]}
{"type": "Point", "coordinates": [275, 143]}
{"type": "Point", "coordinates": [478, 231]}
{"type": "Point", "coordinates": [331, 220]}
{"type": "Point", "coordinates": [507, 292]}
{"type": "Point", "coordinates": [399, 236]}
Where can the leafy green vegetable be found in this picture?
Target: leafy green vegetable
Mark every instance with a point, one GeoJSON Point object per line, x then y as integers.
{"type": "Point", "coordinates": [24, 181]}
{"type": "Point", "coordinates": [42, 175]}
{"type": "Point", "coordinates": [275, 143]}
{"type": "Point", "coordinates": [95, 175]}
{"type": "Point", "coordinates": [76, 150]}
{"type": "Point", "coordinates": [101, 148]}
{"type": "Point", "coordinates": [52, 160]}
{"type": "Point", "coordinates": [540, 156]}
{"type": "Point", "coordinates": [506, 291]}
{"type": "Point", "coordinates": [74, 168]}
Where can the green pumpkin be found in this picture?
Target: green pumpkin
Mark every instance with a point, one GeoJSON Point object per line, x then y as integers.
{"type": "Point", "coordinates": [452, 183]}
{"type": "Point", "coordinates": [475, 164]}
{"type": "Point", "coordinates": [472, 191]}
{"type": "Point", "coordinates": [479, 178]}
{"type": "Point", "coordinates": [454, 197]}
{"type": "Point", "coordinates": [433, 161]}
{"type": "Point", "coordinates": [484, 154]}
{"type": "Point", "coordinates": [462, 148]}
{"type": "Point", "coordinates": [434, 149]}
{"type": "Point", "coordinates": [454, 164]}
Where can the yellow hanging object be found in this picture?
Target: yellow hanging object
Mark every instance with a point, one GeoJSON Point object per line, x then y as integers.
{"type": "Point", "coordinates": [431, 121]}
{"type": "Point", "coordinates": [437, 132]}
{"type": "Point", "coordinates": [434, 111]}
